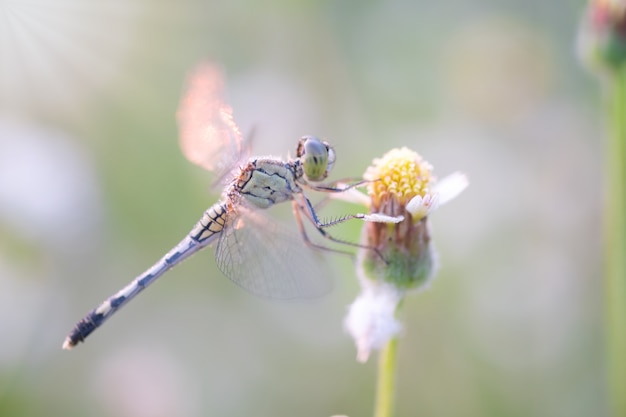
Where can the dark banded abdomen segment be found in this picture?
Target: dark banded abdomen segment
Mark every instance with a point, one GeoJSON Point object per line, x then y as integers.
{"type": "Point", "coordinates": [211, 223]}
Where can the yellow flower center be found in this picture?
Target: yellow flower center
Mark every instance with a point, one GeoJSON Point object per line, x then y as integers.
{"type": "Point", "coordinates": [400, 174]}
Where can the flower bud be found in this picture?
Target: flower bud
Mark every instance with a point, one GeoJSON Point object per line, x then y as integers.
{"type": "Point", "coordinates": [404, 256]}
{"type": "Point", "coordinates": [602, 35]}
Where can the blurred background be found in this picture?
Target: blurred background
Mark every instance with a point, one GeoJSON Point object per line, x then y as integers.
{"type": "Point", "coordinates": [94, 189]}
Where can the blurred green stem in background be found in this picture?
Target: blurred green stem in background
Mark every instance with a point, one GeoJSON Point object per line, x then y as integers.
{"type": "Point", "coordinates": [615, 285]}
{"type": "Point", "coordinates": [602, 48]}
{"type": "Point", "coordinates": [386, 385]}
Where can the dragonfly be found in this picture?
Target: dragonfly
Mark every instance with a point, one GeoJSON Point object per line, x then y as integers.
{"type": "Point", "coordinates": [253, 250]}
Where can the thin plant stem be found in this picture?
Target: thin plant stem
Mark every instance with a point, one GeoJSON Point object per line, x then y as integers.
{"type": "Point", "coordinates": [386, 386]}
{"type": "Point", "coordinates": [615, 285]}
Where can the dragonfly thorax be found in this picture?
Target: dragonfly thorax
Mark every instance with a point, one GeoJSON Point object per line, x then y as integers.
{"type": "Point", "coordinates": [264, 182]}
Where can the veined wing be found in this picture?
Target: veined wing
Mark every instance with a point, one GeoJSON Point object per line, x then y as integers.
{"type": "Point", "coordinates": [208, 134]}
{"type": "Point", "coordinates": [266, 258]}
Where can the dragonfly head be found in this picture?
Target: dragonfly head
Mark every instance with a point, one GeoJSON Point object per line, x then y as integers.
{"type": "Point", "coordinates": [317, 158]}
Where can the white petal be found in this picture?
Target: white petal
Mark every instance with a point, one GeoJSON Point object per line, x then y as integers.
{"type": "Point", "coordinates": [420, 206]}
{"type": "Point", "coordinates": [415, 205]}
{"type": "Point", "coordinates": [451, 186]}
{"type": "Point", "coordinates": [381, 218]}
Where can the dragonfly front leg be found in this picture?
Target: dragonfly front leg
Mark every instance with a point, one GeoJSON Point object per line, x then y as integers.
{"type": "Point", "coordinates": [298, 209]}
{"type": "Point", "coordinates": [348, 193]}
{"type": "Point", "coordinates": [339, 186]}
{"type": "Point", "coordinates": [305, 207]}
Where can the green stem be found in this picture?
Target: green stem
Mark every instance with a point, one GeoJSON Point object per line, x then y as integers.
{"type": "Point", "coordinates": [385, 388]}
{"type": "Point", "coordinates": [615, 287]}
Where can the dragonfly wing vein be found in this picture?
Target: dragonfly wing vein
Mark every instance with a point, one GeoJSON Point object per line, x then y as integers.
{"type": "Point", "coordinates": [268, 259]}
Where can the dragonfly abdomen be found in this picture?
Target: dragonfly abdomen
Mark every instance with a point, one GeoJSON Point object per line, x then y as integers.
{"type": "Point", "coordinates": [202, 234]}
{"type": "Point", "coordinates": [210, 224]}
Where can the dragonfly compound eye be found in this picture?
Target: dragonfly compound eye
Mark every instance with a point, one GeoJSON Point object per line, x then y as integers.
{"type": "Point", "coordinates": [316, 156]}
{"type": "Point", "coordinates": [331, 157]}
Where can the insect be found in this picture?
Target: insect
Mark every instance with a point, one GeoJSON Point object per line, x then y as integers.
{"type": "Point", "coordinates": [252, 250]}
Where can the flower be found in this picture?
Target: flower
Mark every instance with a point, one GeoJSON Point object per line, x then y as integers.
{"type": "Point", "coordinates": [397, 254]}
{"type": "Point", "coordinates": [602, 35]}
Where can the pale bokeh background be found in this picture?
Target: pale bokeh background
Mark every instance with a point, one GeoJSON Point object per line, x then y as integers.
{"type": "Point", "coordinates": [94, 189]}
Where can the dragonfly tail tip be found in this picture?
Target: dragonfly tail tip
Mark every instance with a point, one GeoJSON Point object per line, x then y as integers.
{"type": "Point", "coordinates": [68, 344]}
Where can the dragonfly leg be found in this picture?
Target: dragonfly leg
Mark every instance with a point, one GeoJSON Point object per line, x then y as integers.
{"type": "Point", "coordinates": [307, 209]}
{"type": "Point", "coordinates": [339, 186]}
{"type": "Point", "coordinates": [297, 211]}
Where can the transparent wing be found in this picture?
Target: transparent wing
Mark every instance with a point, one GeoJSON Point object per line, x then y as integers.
{"type": "Point", "coordinates": [264, 257]}
{"type": "Point", "coordinates": [208, 135]}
